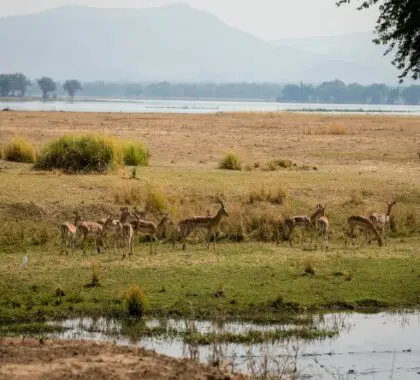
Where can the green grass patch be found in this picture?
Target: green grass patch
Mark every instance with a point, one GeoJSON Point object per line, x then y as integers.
{"type": "Point", "coordinates": [135, 154]}
{"type": "Point", "coordinates": [252, 277]}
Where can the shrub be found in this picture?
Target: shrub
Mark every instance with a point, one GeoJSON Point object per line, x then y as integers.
{"type": "Point", "coordinates": [79, 154]}
{"type": "Point", "coordinates": [59, 292]}
{"type": "Point", "coordinates": [135, 154]}
{"type": "Point", "coordinates": [19, 150]}
{"type": "Point", "coordinates": [136, 301]}
{"type": "Point", "coordinates": [230, 162]}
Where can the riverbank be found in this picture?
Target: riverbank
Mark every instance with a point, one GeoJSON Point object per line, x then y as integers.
{"type": "Point", "coordinates": [26, 358]}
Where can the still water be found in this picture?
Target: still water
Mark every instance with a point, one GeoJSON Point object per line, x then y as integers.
{"type": "Point", "coordinates": [368, 346]}
{"type": "Point", "coordinates": [191, 106]}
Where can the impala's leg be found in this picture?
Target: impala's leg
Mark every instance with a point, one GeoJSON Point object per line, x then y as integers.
{"type": "Point", "coordinates": [130, 246]}
{"type": "Point", "coordinates": [156, 243]}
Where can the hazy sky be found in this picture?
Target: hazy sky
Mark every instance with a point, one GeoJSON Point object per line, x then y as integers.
{"type": "Point", "coordinates": [268, 19]}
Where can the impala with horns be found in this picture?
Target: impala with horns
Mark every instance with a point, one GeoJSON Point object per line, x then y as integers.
{"type": "Point", "coordinates": [208, 222]}
{"type": "Point", "coordinates": [308, 223]}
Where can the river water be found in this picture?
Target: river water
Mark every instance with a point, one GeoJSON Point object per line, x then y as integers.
{"type": "Point", "coordinates": [368, 346]}
{"type": "Point", "coordinates": [191, 106]}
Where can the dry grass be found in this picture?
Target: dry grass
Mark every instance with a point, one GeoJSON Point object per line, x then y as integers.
{"type": "Point", "coordinates": [19, 150]}
{"type": "Point", "coordinates": [336, 129]}
{"type": "Point", "coordinates": [200, 140]}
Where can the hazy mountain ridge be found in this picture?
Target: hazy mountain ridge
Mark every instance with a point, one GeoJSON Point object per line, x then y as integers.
{"type": "Point", "coordinates": [174, 42]}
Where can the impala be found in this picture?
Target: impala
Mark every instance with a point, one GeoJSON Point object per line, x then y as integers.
{"type": "Point", "coordinates": [381, 221]}
{"type": "Point", "coordinates": [323, 227]}
{"type": "Point", "coordinates": [308, 223]}
{"type": "Point", "coordinates": [68, 232]}
{"type": "Point", "coordinates": [90, 229]}
{"type": "Point", "coordinates": [114, 226]}
{"type": "Point", "coordinates": [365, 224]}
{"type": "Point", "coordinates": [141, 226]}
{"type": "Point", "coordinates": [210, 223]}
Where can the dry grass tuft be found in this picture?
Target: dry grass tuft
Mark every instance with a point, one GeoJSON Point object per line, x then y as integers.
{"type": "Point", "coordinates": [230, 162]}
{"type": "Point", "coordinates": [308, 267]}
{"type": "Point", "coordinates": [136, 301]}
{"type": "Point", "coordinates": [276, 195]}
{"type": "Point", "coordinates": [155, 199]}
{"type": "Point", "coordinates": [19, 150]}
{"type": "Point", "coordinates": [336, 129]}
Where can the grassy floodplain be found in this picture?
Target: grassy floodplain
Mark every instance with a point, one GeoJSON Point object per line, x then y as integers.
{"type": "Point", "coordinates": [353, 163]}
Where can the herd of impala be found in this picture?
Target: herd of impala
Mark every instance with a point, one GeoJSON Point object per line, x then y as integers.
{"type": "Point", "coordinates": [132, 222]}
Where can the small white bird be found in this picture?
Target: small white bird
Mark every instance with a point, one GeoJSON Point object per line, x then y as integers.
{"type": "Point", "coordinates": [25, 261]}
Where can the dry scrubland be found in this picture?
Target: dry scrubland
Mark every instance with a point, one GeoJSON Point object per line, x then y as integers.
{"type": "Point", "coordinates": [353, 163]}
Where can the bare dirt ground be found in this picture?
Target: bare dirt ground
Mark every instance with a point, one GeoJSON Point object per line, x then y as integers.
{"type": "Point", "coordinates": [201, 140]}
{"type": "Point", "coordinates": [22, 359]}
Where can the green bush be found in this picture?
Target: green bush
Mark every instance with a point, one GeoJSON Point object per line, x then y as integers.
{"type": "Point", "coordinates": [230, 162]}
{"type": "Point", "coordinates": [79, 154]}
{"type": "Point", "coordinates": [136, 301]}
{"type": "Point", "coordinates": [136, 154]}
{"type": "Point", "coordinates": [19, 150]}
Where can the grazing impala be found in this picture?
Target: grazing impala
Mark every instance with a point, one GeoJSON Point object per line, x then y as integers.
{"type": "Point", "coordinates": [381, 221]}
{"type": "Point", "coordinates": [68, 232]}
{"type": "Point", "coordinates": [365, 224]}
{"type": "Point", "coordinates": [308, 223]}
{"type": "Point", "coordinates": [210, 223]}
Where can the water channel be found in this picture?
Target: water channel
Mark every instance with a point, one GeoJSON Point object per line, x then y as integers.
{"type": "Point", "coordinates": [367, 346]}
{"type": "Point", "coordinates": [201, 106]}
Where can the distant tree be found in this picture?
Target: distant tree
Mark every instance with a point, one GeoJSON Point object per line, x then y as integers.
{"type": "Point", "coordinates": [333, 92]}
{"type": "Point", "coordinates": [19, 84]}
{"type": "Point", "coordinates": [71, 86]}
{"type": "Point", "coordinates": [398, 27]}
{"type": "Point", "coordinates": [296, 93]}
{"type": "Point", "coordinates": [46, 85]}
{"type": "Point", "coordinates": [393, 95]}
{"type": "Point", "coordinates": [5, 84]}
{"type": "Point", "coordinates": [356, 93]}
{"type": "Point", "coordinates": [376, 93]}
{"type": "Point", "coordinates": [411, 95]}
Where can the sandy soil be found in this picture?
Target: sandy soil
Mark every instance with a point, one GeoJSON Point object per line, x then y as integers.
{"type": "Point", "coordinates": [29, 359]}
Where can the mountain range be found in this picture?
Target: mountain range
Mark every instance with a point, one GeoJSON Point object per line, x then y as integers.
{"type": "Point", "coordinates": [177, 43]}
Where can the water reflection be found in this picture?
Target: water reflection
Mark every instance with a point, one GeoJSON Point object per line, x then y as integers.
{"type": "Point", "coordinates": [379, 346]}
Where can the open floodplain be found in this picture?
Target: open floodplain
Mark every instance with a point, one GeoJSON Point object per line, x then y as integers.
{"type": "Point", "coordinates": [353, 164]}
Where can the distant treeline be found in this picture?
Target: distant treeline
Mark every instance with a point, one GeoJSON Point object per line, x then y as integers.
{"type": "Point", "coordinates": [18, 85]}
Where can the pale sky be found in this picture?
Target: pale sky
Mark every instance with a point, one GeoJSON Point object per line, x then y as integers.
{"type": "Point", "coordinates": [267, 19]}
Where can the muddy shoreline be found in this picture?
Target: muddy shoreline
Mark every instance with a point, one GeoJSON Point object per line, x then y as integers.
{"type": "Point", "coordinates": [28, 358]}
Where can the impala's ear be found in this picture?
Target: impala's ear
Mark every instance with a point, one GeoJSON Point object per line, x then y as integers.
{"type": "Point", "coordinates": [325, 206]}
